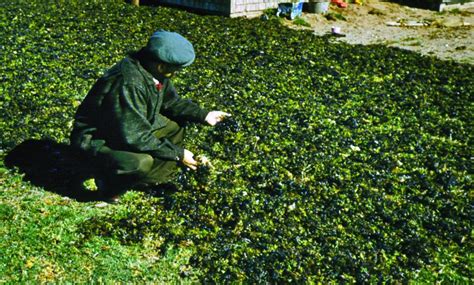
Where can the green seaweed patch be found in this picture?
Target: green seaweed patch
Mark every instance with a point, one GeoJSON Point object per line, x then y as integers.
{"type": "Point", "coordinates": [341, 163]}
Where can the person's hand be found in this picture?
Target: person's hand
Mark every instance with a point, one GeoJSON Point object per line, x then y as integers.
{"type": "Point", "coordinates": [215, 117]}
{"type": "Point", "coordinates": [189, 161]}
{"type": "Point", "coordinates": [204, 161]}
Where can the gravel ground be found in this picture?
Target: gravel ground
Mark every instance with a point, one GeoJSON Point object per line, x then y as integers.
{"type": "Point", "coordinates": [448, 35]}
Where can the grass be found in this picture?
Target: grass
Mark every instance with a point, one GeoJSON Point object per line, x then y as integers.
{"type": "Point", "coordinates": [40, 241]}
{"type": "Point", "coordinates": [455, 11]}
{"type": "Point", "coordinates": [411, 41]}
{"type": "Point", "coordinates": [334, 16]}
{"type": "Point", "coordinates": [301, 22]}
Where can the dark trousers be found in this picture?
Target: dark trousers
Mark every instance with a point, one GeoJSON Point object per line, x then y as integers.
{"type": "Point", "coordinates": [122, 170]}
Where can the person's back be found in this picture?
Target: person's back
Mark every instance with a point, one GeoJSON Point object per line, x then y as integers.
{"type": "Point", "coordinates": [130, 122]}
{"type": "Point", "coordinates": [96, 115]}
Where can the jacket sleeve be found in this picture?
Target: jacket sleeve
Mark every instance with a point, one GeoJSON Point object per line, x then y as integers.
{"type": "Point", "coordinates": [176, 107]}
{"type": "Point", "coordinates": [135, 131]}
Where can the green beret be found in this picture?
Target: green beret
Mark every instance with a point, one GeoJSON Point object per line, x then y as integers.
{"type": "Point", "coordinates": [171, 48]}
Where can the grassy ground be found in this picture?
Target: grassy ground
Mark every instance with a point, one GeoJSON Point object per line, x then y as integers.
{"type": "Point", "coordinates": [40, 242]}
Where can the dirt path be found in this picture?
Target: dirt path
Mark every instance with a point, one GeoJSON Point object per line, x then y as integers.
{"type": "Point", "coordinates": [446, 35]}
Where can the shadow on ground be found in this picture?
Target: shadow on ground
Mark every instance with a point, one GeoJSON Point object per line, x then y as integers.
{"type": "Point", "coordinates": [62, 169]}
{"type": "Point", "coordinates": [56, 167]}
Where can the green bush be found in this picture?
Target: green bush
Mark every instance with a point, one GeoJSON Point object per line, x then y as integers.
{"type": "Point", "coordinates": [341, 163]}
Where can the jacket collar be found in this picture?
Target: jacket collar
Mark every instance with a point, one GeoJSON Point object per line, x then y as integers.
{"type": "Point", "coordinates": [150, 80]}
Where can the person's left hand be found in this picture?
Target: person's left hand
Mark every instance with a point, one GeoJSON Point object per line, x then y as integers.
{"type": "Point", "coordinates": [215, 117]}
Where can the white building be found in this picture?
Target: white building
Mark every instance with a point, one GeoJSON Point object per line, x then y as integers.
{"type": "Point", "coordinates": [232, 8]}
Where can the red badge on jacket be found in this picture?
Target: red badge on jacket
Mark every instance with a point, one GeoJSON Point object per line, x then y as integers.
{"type": "Point", "coordinates": [159, 86]}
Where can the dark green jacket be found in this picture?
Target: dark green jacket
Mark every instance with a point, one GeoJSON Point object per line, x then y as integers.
{"type": "Point", "coordinates": [124, 108]}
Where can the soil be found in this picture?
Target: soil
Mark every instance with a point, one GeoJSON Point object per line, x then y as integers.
{"type": "Point", "coordinates": [448, 35]}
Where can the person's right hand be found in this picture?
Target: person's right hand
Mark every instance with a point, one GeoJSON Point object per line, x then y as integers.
{"type": "Point", "coordinates": [189, 161]}
{"type": "Point", "coordinates": [215, 117]}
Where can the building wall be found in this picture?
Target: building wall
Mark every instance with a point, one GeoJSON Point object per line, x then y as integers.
{"type": "Point", "coordinates": [212, 6]}
{"type": "Point", "coordinates": [252, 7]}
{"type": "Point", "coordinates": [233, 8]}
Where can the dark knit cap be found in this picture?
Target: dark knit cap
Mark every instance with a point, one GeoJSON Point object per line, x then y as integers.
{"type": "Point", "coordinates": [171, 48]}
